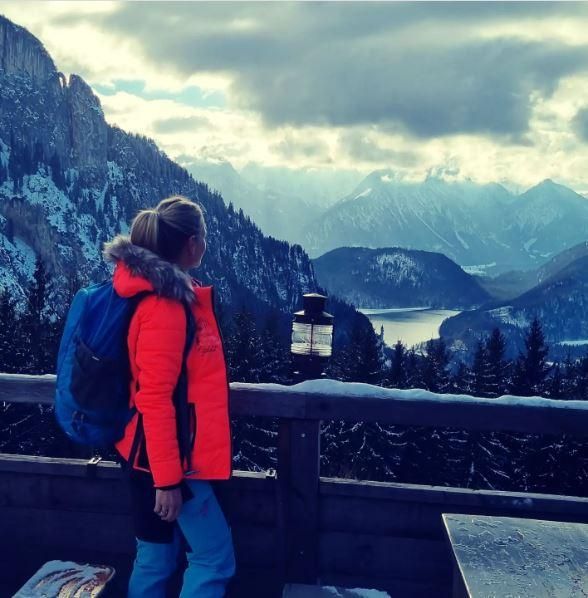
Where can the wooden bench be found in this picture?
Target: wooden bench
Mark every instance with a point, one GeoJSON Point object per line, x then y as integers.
{"type": "Point", "coordinates": [507, 556]}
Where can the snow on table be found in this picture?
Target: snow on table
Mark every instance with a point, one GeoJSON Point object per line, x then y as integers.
{"type": "Point", "coordinates": [298, 590]}
{"type": "Point", "coordinates": [66, 579]}
{"type": "Point", "coordinates": [507, 556]}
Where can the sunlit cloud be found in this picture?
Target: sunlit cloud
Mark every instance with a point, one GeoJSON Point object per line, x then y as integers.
{"type": "Point", "coordinates": [495, 91]}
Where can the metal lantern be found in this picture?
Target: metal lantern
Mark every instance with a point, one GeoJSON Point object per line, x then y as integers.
{"type": "Point", "coordinates": [312, 337]}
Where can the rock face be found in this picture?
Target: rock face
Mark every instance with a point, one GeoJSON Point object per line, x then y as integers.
{"type": "Point", "coordinates": [70, 181]}
{"type": "Point", "coordinates": [23, 54]}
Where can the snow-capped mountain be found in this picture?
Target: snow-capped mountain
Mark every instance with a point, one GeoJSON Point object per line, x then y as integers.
{"type": "Point", "coordinates": [394, 277]}
{"type": "Point", "coordinates": [548, 218]}
{"type": "Point", "coordinates": [484, 228]}
{"type": "Point", "coordinates": [281, 215]}
{"type": "Point", "coordinates": [70, 181]}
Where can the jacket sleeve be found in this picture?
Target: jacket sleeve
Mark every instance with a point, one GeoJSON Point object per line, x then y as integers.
{"type": "Point", "coordinates": [160, 345]}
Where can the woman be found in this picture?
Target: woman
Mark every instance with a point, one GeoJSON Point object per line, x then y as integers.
{"type": "Point", "coordinates": [173, 500]}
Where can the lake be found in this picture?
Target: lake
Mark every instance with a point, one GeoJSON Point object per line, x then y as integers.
{"type": "Point", "coordinates": [411, 325]}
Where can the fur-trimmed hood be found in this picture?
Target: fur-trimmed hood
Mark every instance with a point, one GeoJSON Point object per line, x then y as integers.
{"type": "Point", "coordinates": [168, 279]}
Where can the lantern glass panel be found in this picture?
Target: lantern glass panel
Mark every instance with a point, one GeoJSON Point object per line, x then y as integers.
{"type": "Point", "coordinates": [312, 339]}
{"type": "Point", "coordinates": [322, 339]}
{"type": "Point", "coordinates": [301, 334]}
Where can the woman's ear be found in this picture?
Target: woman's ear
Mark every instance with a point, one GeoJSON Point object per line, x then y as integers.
{"type": "Point", "coordinates": [193, 245]}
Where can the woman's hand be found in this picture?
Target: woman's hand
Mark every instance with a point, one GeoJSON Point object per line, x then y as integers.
{"type": "Point", "coordinates": [168, 503]}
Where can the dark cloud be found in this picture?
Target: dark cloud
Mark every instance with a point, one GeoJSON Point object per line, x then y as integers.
{"type": "Point", "coordinates": [580, 124]}
{"type": "Point", "coordinates": [480, 87]}
{"type": "Point", "coordinates": [179, 124]}
{"type": "Point", "coordinates": [416, 65]}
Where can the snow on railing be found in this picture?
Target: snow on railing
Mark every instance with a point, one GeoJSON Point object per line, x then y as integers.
{"type": "Point", "coordinates": [326, 399]}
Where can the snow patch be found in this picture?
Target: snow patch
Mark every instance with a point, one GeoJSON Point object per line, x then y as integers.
{"type": "Point", "coordinates": [19, 256]}
{"type": "Point", "coordinates": [364, 193]}
{"type": "Point", "coordinates": [354, 592]}
{"type": "Point", "coordinates": [115, 173]}
{"type": "Point", "coordinates": [41, 191]}
{"type": "Point", "coordinates": [576, 343]}
{"type": "Point", "coordinates": [479, 269]}
{"type": "Point", "coordinates": [461, 240]}
{"type": "Point", "coordinates": [4, 154]}
{"type": "Point", "coordinates": [507, 315]}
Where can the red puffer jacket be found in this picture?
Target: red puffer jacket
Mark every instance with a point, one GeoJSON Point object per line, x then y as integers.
{"type": "Point", "coordinates": [156, 339]}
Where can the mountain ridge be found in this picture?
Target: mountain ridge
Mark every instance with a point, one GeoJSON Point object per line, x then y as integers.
{"type": "Point", "coordinates": [397, 277]}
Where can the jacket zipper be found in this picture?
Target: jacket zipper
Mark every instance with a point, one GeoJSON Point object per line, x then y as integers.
{"type": "Point", "coordinates": [212, 291]}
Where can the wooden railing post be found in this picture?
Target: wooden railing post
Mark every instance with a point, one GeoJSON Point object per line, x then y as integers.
{"type": "Point", "coordinates": [298, 493]}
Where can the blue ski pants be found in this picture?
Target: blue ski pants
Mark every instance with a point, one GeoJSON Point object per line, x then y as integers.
{"type": "Point", "coordinates": [210, 556]}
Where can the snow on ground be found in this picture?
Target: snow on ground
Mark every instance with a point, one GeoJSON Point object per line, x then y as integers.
{"type": "Point", "coordinates": [576, 343]}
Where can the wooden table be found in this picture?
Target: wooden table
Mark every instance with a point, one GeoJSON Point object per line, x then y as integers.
{"type": "Point", "coordinates": [506, 557]}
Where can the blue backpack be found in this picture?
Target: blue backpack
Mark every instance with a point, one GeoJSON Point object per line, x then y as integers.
{"type": "Point", "coordinates": [93, 369]}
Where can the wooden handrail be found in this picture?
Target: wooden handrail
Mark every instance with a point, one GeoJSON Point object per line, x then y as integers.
{"type": "Point", "coordinates": [301, 407]}
{"type": "Point", "coordinates": [331, 400]}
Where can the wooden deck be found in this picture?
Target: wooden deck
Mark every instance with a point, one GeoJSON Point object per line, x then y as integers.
{"type": "Point", "coordinates": [291, 525]}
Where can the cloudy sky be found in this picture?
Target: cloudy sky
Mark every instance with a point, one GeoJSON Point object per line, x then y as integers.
{"type": "Point", "coordinates": [491, 91]}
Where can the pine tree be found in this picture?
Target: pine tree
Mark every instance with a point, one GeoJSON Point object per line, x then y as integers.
{"type": "Point", "coordinates": [536, 368]}
{"type": "Point", "coordinates": [254, 438]}
{"type": "Point", "coordinates": [397, 375]}
{"type": "Point", "coordinates": [9, 333]}
{"type": "Point", "coordinates": [275, 353]}
{"type": "Point", "coordinates": [556, 383]}
{"type": "Point", "coordinates": [531, 369]}
{"type": "Point", "coordinates": [435, 374]}
{"type": "Point", "coordinates": [370, 451]}
{"type": "Point", "coordinates": [480, 372]}
{"type": "Point", "coordinates": [497, 366]}
{"type": "Point", "coordinates": [367, 365]}
{"type": "Point", "coordinates": [460, 381]}
{"type": "Point", "coordinates": [414, 369]}
{"type": "Point", "coordinates": [34, 351]}
{"type": "Point", "coordinates": [244, 348]}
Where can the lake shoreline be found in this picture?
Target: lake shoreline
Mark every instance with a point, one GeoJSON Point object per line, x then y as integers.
{"type": "Point", "coordinates": [411, 325]}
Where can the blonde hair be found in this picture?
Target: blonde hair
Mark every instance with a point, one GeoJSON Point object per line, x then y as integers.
{"type": "Point", "coordinates": [166, 228]}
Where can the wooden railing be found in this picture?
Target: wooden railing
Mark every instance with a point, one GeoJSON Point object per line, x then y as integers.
{"type": "Point", "coordinates": [295, 523]}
